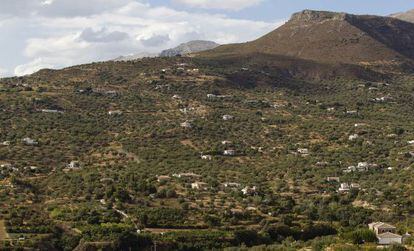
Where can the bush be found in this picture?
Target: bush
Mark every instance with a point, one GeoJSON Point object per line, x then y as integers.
{"type": "Point", "coordinates": [361, 236]}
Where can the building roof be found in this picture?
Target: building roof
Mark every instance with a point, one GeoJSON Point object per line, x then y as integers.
{"type": "Point", "coordinates": [388, 235]}
{"type": "Point", "coordinates": [381, 225]}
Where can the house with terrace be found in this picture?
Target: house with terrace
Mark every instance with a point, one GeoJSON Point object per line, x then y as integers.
{"type": "Point", "coordinates": [387, 234]}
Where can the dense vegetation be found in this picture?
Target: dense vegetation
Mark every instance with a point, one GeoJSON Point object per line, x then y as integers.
{"type": "Point", "coordinates": [288, 136]}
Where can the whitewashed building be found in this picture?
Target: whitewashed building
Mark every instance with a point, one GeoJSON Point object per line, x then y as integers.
{"type": "Point", "coordinates": [229, 152]}
{"type": "Point", "coordinates": [199, 185]}
{"type": "Point", "coordinates": [186, 125]}
{"type": "Point", "coordinates": [385, 233]}
{"type": "Point", "coordinates": [30, 142]}
{"type": "Point", "coordinates": [228, 117]}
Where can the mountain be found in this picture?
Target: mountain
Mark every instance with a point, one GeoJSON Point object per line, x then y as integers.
{"type": "Point", "coordinates": [190, 47]}
{"type": "Point", "coordinates": [332, 37]}
{"type": "Point", "coordinates": [406, 16]}
{"type": "Point", "coordinates": [182, 49]}
{"type": "Point", "coordinates": [136, 56]}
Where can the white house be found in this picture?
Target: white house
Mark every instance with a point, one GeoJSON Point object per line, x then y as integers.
{"type": "Point", "coordinates": [106, 180]}
{"type": "Point", "coordinates": [206, 157]}
{"type": "Point", "coordinates": [186, 110]}
{"type": "Point", "coordinates": [51, 111]}
{"type": "Point", "coordinates": [231, 185]}
{"type": "Point", "coordinates": [385, 233]}
{"type": "Point", "coordinates": [73, 165]}
{"type": "Point", "coordinates": [229, 152]}
{"type": "Point", "coordinates": [116, 112]}
{"type": "Point", "coordinates": [30, 142]}
{"type": "Point", "coordinates": [226, 142]}
{"type": "Point", "coordinates": [353, 137]}
{"type": "Point", "coordinates": [176, 96]}
{"type": "Point", "coordinates": [346, 187]}
{"type": "Point", "coordinates": [6, 166]}
{"type": "Point", "coordinates": [228, 117]}
{"type": "Point", "coordinates": [322, 163]}
{"type": "Point", "coordinates": [195, 70]}
{"type": "Point", "coordinates": [213, 96]}
{"type": "Point", "coordinates": [303, 151]}
{"type": "Point", "coordinates": [199, 185]}
{"type": "Point", "coordinates": [249, 190]}
{"type": "Point", "coordinates": [332, 179]}
{"type": "Point", "coordinates": [5, 143]}
{"type": "Point", "coordinates": [389, 239]}
{"type": "Point", "coordinates": [186, 125]}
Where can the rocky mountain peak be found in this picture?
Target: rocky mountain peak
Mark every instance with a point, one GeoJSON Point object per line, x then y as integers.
{"type": "Point", "coordinates": [317, 16]}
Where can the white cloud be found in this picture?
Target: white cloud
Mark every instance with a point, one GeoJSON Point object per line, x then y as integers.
{"type": "Point", "coordinates": [102, 35]}
{"type": "Point", "coordinates": [31, 67]}
{"type": "Point", "coordinates": [63, 37]}
{"type": "Point", "coordinates": [220, 4]}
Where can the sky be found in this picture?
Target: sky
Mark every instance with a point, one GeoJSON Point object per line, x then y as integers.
{"type": "Point", "coordinates": [40, 34]}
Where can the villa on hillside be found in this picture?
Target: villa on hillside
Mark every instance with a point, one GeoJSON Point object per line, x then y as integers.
{"type": "Point", "coordinates": [115, 112]}
{"type": "Point", "coordinates": [186, 124]}
{"type": "Point", "coordinates": [199, 185]}
{"type": "Point", "coordinates": [231, 185]}
{"type": "Point", "coordinates": [51, 111]}
{"type": "Point", "coordinates": [206, 157]}
{"type": "Point", "coordinates": [228, 117]}
{"type": "Point", "coordinates": [229, 152]}
{"type": "Point", "coordinates": [386, 233]}
{"type": "Point", "coordinates": [249, 190]}
{"type": "Point", "coordinates": [30, 142]}
{"type": "Point", "coordinates": [346, 187]}
{"type": "Point", "coordinates": [73, 165]}
{"type": "Point", "coordinates": [332, 179]}
{"type": "Point", "coordinates": [303, 151]}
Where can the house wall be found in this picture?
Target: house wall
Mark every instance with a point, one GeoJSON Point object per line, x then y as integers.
{"type": "Point", "coordinates": [385, 230]}
{"type": "Point", "coordinates": [388, 241]}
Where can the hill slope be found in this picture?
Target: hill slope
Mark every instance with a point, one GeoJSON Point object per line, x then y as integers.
{"type": "Point", "coordinates": [333, 37]}
{"type": "Point", "coordinates": [405, 16]}
{"type": "Point", "coordinates": [116, 140]}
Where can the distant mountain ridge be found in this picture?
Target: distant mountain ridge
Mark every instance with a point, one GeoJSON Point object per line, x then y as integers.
{"type": "Point", "coordinates": [332, 37]}
{"type": "Point", "coordinates": [136, 56]}
{"type": "Point", "coordinates": [182, 49]}
{"type": "Point", "coordinates": [190, 47]}
{"type": "Point", "coordinates": [405, 16]}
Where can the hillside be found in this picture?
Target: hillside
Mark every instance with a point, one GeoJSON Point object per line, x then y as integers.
{"type": "Point", "coordinates": [333, 38]}
{"type": "Point", "coordinates": [405, 16]}
{"type": "Point", "coordinates": [239, 146]}
{"type": "Point", "coordinates": [225, 155]}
